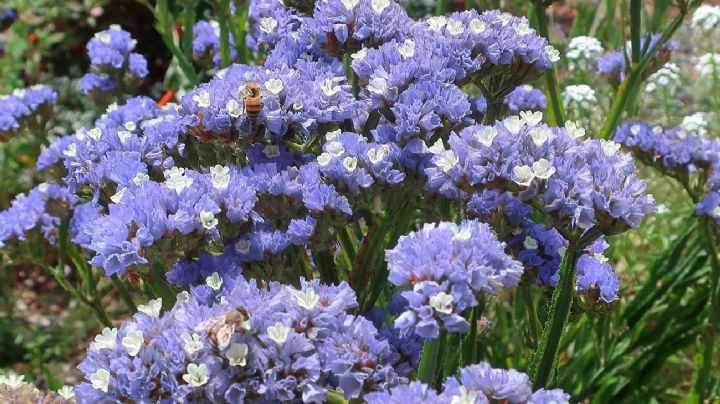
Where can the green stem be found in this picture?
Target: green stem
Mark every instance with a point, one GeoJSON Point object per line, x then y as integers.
{"type": "Point", "coordinates": [238, 29]}
{"type": "Point", "coordinates": [713, 323]}
{"type": "Point", "coordinates": [432, 349]}
{"type": "Point", "coordinates": [545, 357]}
{"type": "Point", "coordinates": [124, 294]}
{"type": "Point", "coordinates": [164, 27]}
{"type": "Point", "coordinates": [533, 329]}
{"type": "Point", "coordinates": [160, 287]}
{"type": "Point", "coordinates": [493, 111]}
{"type": "Point", "coordinates": [469, 346]}
{"type": "Point", "coordinates": [440, 7]}
{"type": "Point", "coordinates": [224, 41]}
{"type": "Point", "coordinates": [333, 397]}
{"type": "Point", "coordinates": [347, 246]}
{"type": "Point", "coordinates": [188, 18]}
{"type": "Point", "coordinates": [635, 19]}
{"type": "Point", "coordinates": [556, 113]}
{"type": "Point", "coordinates": [326, 266]}
{"type": "Point", "coordinates": [350, 74]}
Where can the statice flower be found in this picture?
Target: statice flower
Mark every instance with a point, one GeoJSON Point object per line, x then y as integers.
{"type": "Point", "coordinates": [206, 42]}
{"type": "Point", "coordinates": [231, 340]}
{"type": "Point", "coordinates": [24, 105]}
{"type": "Point", "coordinates": [595, 277]}
{"type": "Point", "coordinates": [706, 19]}
{"type": "Point", "coordinates": [582, 52]}
{"type": "Point", "coordinates": [272, 21]}
{"type": "Point", "coordinates": [113, 61]}
{"type": "Point", "coordinates": [486, 384]}
{"type": "Point", "coordinates": [7, 18]}
{"type": "Point", "coordinates": [415, 391]}
{"type": "Point", "coordinates": [444, 268]}
{"type": "Point", "coordinates": [580, 98]}
{"type": "Point", "coordinates": [708, 65]}
{"type": "Point", "coordinates": [525, 98]}
{"type": "Point", "coordinates": [42, 208]}
{"type": "Point", "coordinates": [667, 79]}
{"type": "Point", "coordinates": [579, 183]}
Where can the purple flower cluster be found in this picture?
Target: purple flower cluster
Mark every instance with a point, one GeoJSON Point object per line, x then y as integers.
{"type": "Point", "coordinates": [228, 340]}
{"type": "Point", "coordinates": [112, 61]}
{"type": "Point", "coordinates": [476, 384]}
{"type": "Point", "coordinates": [580, 184]}
{"type": "Point", "coordinates": [444, 268]}
{"type": "Point", "coordinates": [522, 98]}
{"type": "Point", "coordinates": [679, 152]}
{"type": "Point", "coordinates": [206, 42]}
{"type": "Point", "coordinates": [41, 208]}
{"type": "Point", "coordinates": [22, 105]}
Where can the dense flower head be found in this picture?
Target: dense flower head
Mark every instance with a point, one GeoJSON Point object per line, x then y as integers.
{"type": "Point", "coordinates": [271, 21]}
{"type": "Point", "coordinates": [580, 97]}
{"type": "Point", "coordinates": [706, 18]}
{"type": "Point", "coordinates": [444, 268]}
{"type": "Point", "coordinates": [230, 340]}
{"type": "Point", "coordinates": [206, 42]}
{"type": "Point", "coordinates": [579, 183]}
{"type": "Point", "coordinates": [42, 208]}
{"type": "Point", "coordinates": [583, 51]}
{"type": "Point", "coordinates": [666, 79]}
{"type": "Point", "coordinates": [22, 105]}
{"type": "Point", "coordinates": [112, 59]}
{"type": "Point", "coordinates": [476, 384]}
{"type": "Point", "coordinates": [708, 65]}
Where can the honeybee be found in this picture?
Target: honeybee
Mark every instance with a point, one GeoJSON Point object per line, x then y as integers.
{"type": "Point", "coordinates": [221, 328]}
{"type": "Point", "coordinates": [253, 100]}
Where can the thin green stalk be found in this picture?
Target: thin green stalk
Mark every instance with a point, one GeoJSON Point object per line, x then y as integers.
{"type": "Point", "coordinates": [164, 27]}
{"type": "Point", "coordinates": [347, 246]}
{"type": "Point", "coordinates": [470, 346]}
{"type": "Point", "coordinates": [545, 357]}
{"type": "Point", "coordinates": [238, 27]}
{"type": "Point", "coordinates": [188, 20]}
{"type": "Point", "coordinates": [440, 7]}
{"type": "Point", "coordinates": [555, 111]}
{"type": "Point", "coordinates": [635, 20]}
{"type": "Point", "coordinates": [124, 294]}
{"type": "Point", "coordinates": [326, 266]}
{"type": "Point", "coordinates": [366, 257]}
{"type": "Point", "coordinates": [350, 74]}
{"type": "Point", "coordinates": [432, 348]}
{"type": "Point", "coordinates": [333, 397]}
{"type": "Point", "coordinates": [493, 111]}
{"type": "Point", "coordinates": [160, 287]}
{"type": "Point", "coordinates": [224, 41]}
{"type": "Point", "coordinates": [713, 323]}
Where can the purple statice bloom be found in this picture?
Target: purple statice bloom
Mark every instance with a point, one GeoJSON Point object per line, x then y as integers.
{"type": "Point", "coordinates": [7, 17]}
{"type": "Point", "coordinates": [709, 205]}
{"type": "Point", "coordinates": [41, 208]}
{"type": "Point", "coordinates": [554, 396]}
{"type": "Point", "coordinates": [206, 42]}
{"type": "Point", "coordinates": [91, 82]}
{"type": "Point", "coordinates": [525, 98]}
{"type": "Point", "coordinates": [22, 104]}
{"type": "Point", "coordinates": [414, 392]}
{"type": "Point", "coordinates": [137, 65]}
{"type": "Point", "coordinates": [594, 274]}
{"type": "Point", "coordinates": [270, 22]}
{"type": "Point", "coordinates": [612, 64]}
{"type": "Point", "coordinates": [443, 268]}
{"type": "Point", "coordinates": [482, 381]}
{"type": "Point", "coordinates": [229, 340]}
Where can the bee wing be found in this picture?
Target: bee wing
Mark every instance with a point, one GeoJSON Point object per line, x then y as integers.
{"type": "Point", "coordinates": [224, 335]}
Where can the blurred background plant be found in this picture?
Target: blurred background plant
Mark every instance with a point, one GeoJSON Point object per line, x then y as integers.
{"type": "Point", "coordinates": [647, 348]}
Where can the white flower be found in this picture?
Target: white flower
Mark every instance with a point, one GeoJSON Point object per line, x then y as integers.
{"type": "Point", "coordinates": [378, 154]}
{"type": "Point", "coordinates": [43, 187]}
{"type": "Point", "coordinates": [139, 178]}
{"type": "Point", "coordinates": [274, 86]}
{"type": "Point", "coordinates": [271, 151]}
{"type": "Point", "coordinates": [324, 159]}
{"type": "Point", "coordinates": [522, 29]}
{"type": "Point", "coordinates": [335, 148]}
{"type": "Point", "coordinates": [268, 24]}
{"type": "Point", "coordinates": [540, 135]}
{"type": "Point", "coordinates": [236, 354]}
{"type": "Point", "coordinates": [407, 48]}
{"type": "Point", "coordinates": [530, 243]}
{"type": "Point", "coordinates": [583, 49]}
{"type": "Point", "coordinates": [442, 302]}
{"type": "Point", "coordinates": [580, 96]}
{"type": "Point", "coordinates": [706, 18]}
{"type": "Point", "coordinates": [103, 36]}
{"type": "Point", "coordinates": [332, 135]}
{"type": "Point", "coordinates": [609, 147]}
{"type": "Point", "coordinates": [118, 196]}
{"type": "Point", "coordinates": [100, 380]}
{"type": "Point", "coordinates": [192, 344]}
{"type": "Point", "coordinates": [67, 392]}
{"type": "Point", "coordinates": [552, 53]}
{"type": "Point", "coordinates": [524, 175]}
{"type": "Point", "coordinates": [133, 341]}
{"type": "Point", "coordinates": [447, 160]}
{"type": "Point", "coordinates": [176, 180]}
{"type": "Point", "coordinates": [350, 163]}
{"type": "Point", "coordinates": [183, 297]}
{"type": "Point", "coordinates": [307, 298]}
{"type": "Point", "coordinates": [359, 55]}
{"type": "Point", "coordinates": [208, 220]}
{"type": "Point", "coordinates": [462, 234]}
{"type": "Point", "coordinates": [599, 257]}
{"type": "Point", "coordinates": [71, 150]}
{"type": "Point", "coordinates": [437, 147]}
{"type": "Point", "coordinates": [220, 177]}
{"type": "Point", "coordinates": [153, 307]}
{"type": "Point", "coordinates": [377, 85]}
{"type": "Point", "coordinates": [350, 4]}
{"type": "Point", "coordinates": [233, 108]}
{"type": "Point", "coordinates": [242, 246]}
{"type": "Point", "coordinates": [573, 130]}
{"type": "Point", "coordinates": [130, 125]}
{"type": "Point", "coordinates": [106, 339]}
{"type": "Point", "coordinates": [477, 26]}
{"type": "Point", "coordinates": [95, 133]}
{"type": "Point", "coordinates": [13, 381]}
{"type": "Point", "coordinates": [708, 65]}
{"type": "Point", "coordinates": [531, 118]}
{"type": "Point", "coordinates": [278, 332]}
{"type": "Point", "coordinates": [513, 124]}
{"type": "Point", "coordinates": [667, 77]}
{"type": "Point", "coordinates": [202, 99]}
{"type": "Point", "coordinates": [455, 27]}
{"type": "Point", "coordinates": [436, 23]}
{"type": "Point", "coordinates": [329, 88]}
{"type": "Point", "coordinates": [124, 136]}
{"type": "Point", "coordinates": [561, 251]}
{"type": "Point", "coordinates": [465, 397]}
{"type": "Point", "coordinates": [695, 123]}
{"type": "Point", "coordinates": [214, 281]}
{"type": "Point", "coordinates": [197, 375]}
{"type": "Point", "coordinates": [543, 169]}
{"type": "Point", "coordinates": [379, 5]}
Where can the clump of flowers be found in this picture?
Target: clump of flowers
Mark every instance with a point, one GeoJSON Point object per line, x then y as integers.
{"type": "Point", "coordinates": [113, 62]}
{"type": "Point", "coordinates": [612, 64]}
{"type": "Point", "coordinates": [706, 19]}
{"type": "Point", "coordinates": [582, 52]}
{"type": "Point", "coordinates": [708, 65]}
{"type": "Point", "coordinates": [666, 80]}
{"type": "Point", "coordinates": [27, 107]}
